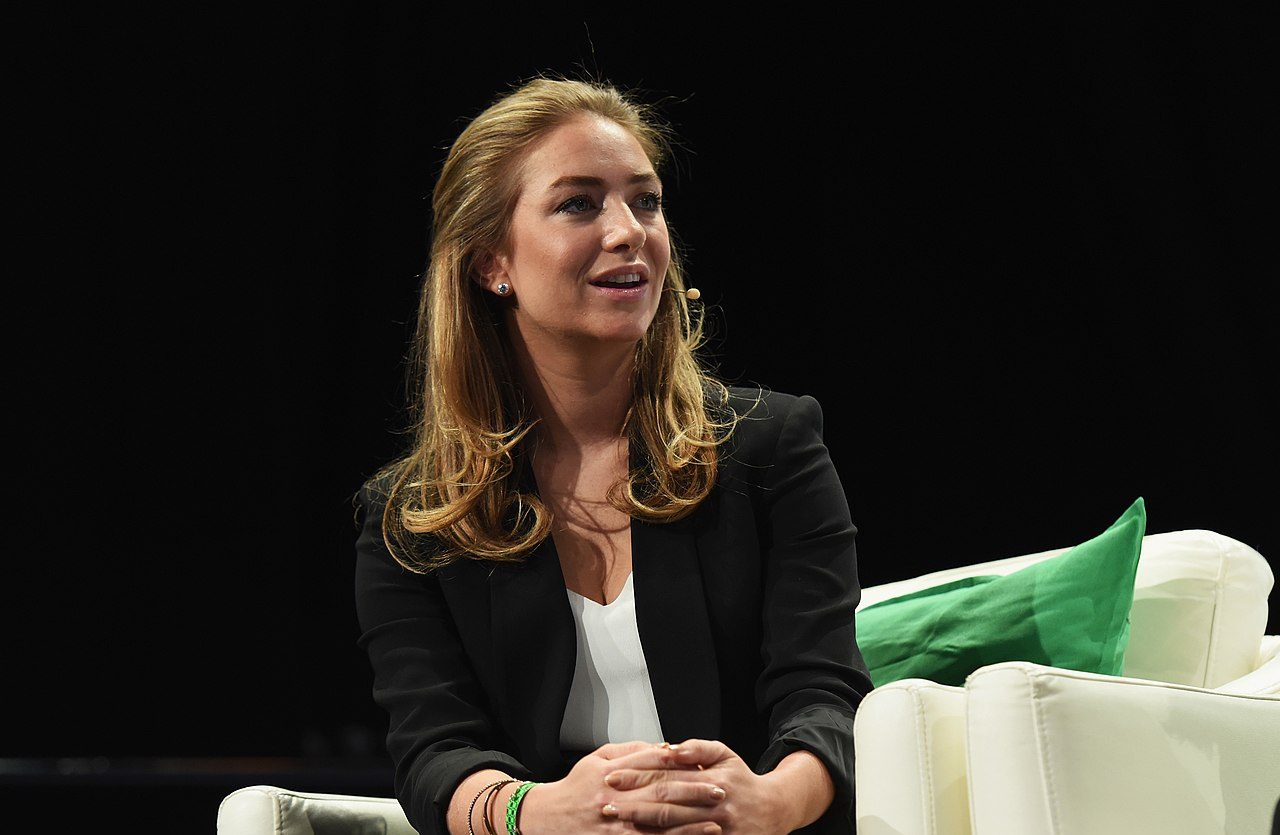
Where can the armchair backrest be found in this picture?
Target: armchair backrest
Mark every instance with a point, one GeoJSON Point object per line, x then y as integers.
{"type": "Point", "coordinates": [1199, 605]}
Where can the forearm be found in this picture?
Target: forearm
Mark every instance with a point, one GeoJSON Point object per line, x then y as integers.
{"type": "Point", "coordinates": [803, 787]}
{"type": "Point", "coordinates": [467, 790]}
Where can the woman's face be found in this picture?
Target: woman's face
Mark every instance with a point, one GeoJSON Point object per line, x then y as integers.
{"type": "Point", "coordinates": [589, 207]}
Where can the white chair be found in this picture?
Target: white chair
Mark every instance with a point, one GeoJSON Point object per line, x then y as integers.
{"type": "Point", "coordinates": [267, 810]}
{"type": "Point", "coordinates": [1187, 741]}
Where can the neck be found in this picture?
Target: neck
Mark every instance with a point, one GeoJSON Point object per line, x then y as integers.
{"type": "Point", "coordinates": [581, 393]}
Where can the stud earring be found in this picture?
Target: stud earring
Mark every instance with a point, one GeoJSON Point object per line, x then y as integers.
{"type": "Point", "coordinates": [504, 289]}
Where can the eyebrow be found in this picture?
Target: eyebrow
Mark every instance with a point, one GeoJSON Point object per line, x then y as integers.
{"type": "Point", "coordinates": [582, 180]}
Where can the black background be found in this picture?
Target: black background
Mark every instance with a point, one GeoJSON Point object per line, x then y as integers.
{"type": "Point", "coordinates": [1020, 257]}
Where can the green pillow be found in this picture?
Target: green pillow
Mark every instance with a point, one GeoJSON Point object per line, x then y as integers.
{"type": "Point", "coordinates": [1069, 611]}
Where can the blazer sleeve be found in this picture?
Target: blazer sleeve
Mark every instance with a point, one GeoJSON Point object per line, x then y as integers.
{"type": "Point", "coordinates": [814, 677]}
{"type": "Point", "coordinates": [438, 731]}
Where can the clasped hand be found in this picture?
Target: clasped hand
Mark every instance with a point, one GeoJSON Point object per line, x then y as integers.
{"type": "Point", "coordinates": [698, 787]}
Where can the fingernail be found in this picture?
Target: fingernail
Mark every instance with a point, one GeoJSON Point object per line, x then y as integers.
{"type": "Point", "coordinates": [609, 810]}
{"type": "Point", "coordinates": [711, 829]}
{"type": "Point", "coordinates": [611, 780]}
{"type": "Point", "coordinates": [675, 747]}
{"type": "Point", "coordinates": [717, 793]}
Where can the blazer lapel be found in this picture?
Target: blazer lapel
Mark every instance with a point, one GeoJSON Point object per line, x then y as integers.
{"type": "Point", "coordinates": [536, 644]}
{"type": "Point", "coordinates": [671, 615]}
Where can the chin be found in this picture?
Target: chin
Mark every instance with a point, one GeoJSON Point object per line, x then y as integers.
{"type": "Point", "coordinates": [629, 338]}
{"type": "Point", "coordinates": [630, 332]}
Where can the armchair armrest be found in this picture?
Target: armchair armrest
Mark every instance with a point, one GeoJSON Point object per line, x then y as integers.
{"type": "Point", "coordinates": [1058, 751]}
{"type": "Point", "coordinates": [909, 771]}
{"type": "Point", "coordinates": [1265, 678]}
{"type": "Point", "coordinates": [267, 810]}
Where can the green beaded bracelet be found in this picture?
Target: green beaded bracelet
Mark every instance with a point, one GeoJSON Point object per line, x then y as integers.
{"type": "Point", "coordinates": [513, 806]}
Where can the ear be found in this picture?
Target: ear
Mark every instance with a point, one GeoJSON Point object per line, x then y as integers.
{"type": "Point", "coordinates": [491, 270]}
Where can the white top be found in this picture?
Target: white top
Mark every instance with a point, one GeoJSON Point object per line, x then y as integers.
{"type": "Point", "coordinates": [611, 699]}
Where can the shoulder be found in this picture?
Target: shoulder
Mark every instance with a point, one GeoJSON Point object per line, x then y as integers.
{"type": "Point", "coordinates": [763, 411]}
{"type": "Point", "coordinates": [763, 403]}
{"type": "Point", "coordinates": [763, 417]}
{"type": "Point", "coordinates": [371, 499]}
{"type": "Point", "coordinates": [371, 503]}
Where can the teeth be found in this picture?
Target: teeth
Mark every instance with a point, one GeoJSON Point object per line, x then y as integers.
{"type": "Point", "coordinates": [629, 278]}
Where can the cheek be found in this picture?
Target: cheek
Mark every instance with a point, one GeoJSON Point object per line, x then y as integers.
{"type": "Point", "coordinates": [542, 251]}
{"type": "Point", "coordinates": [659, 245]}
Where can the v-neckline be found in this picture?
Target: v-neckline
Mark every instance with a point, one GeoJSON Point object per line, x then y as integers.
{"type": "Point", "coordinates": [630, 576]}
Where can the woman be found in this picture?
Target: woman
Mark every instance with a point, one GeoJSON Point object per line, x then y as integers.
{"type": "Point", "coordinates": [593, 549]}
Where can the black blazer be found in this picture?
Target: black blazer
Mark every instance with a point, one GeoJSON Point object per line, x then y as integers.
{"type": "Point", "coordinates": [745, 612]}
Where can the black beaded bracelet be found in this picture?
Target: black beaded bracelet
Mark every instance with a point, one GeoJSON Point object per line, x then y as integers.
{"type": "Point", "coordinates": [488, 807]}
{"type": "Point", "coordinates": [472, 808]}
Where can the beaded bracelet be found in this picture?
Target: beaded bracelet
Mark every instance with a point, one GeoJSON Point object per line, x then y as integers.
{"type": "Point", "coordinates": [471, 810]}
{"type": "Point", "coordinates": [488, 807]}
{"type": "Point", "coordinates": [513, 806]}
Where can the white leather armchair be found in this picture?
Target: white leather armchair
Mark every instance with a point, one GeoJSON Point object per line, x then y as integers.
{"type": "Point", "coordinates": [267, 810]}
{"type": "Point", "coordinates": [1186, 743]}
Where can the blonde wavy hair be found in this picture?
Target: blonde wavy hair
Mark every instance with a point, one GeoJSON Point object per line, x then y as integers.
{"type": "Point", "coordinates": [460, 481]}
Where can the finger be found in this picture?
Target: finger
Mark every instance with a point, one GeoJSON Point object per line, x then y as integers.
{"type": "Point", "coordinates": [648, 758]}
{"type": "Point", "coordinates": [665, 787]}
{"type": "Point", "coordinates": [632, 779]}
{"type": "Point", "coordinates": [614, 750]}
{"type": "Point", "coordinates": [692, 754]}
{"type": "Point", "coordinates": [706, 752]}
{"type": "Point", "coordinates": [662, 815]}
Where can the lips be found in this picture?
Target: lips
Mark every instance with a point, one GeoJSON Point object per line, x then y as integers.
{"type": "Point", "coordinates": [620, 281]}
{"type": "Point", "coordinates": [610, 278]}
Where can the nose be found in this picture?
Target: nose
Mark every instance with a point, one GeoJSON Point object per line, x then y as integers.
{"type": "Point", "coordinates": [622, 228]}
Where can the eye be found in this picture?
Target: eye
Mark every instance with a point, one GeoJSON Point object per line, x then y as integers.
{"type": "Point", "coordinates": [656, 200]}
{"type": "Point", "coordinates": [650, 201]}
{"type": "Point", "coordinates": [579, 200]}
